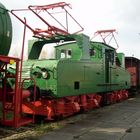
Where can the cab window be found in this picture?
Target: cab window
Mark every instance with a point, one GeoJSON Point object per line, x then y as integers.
{"type": "Point", "coordinates": [92, 52]}
{"type": "Point", "coordinates": [66, 53]}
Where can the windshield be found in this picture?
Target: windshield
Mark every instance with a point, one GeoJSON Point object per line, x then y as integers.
{"type": "Point", "coordinates": [48, 51]}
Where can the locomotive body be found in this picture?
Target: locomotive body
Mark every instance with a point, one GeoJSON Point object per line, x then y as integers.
{"type": "Point", "coordinates": [79, 67]}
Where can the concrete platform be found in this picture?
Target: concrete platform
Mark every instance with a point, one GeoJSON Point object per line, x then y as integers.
{"type": "Point", "coordinates": [119, 121]}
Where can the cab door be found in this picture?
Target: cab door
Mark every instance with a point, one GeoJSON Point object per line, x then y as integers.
{"type": "Point", "coordinates": [107, 66]}
{"type": "Point", "coordinates": [109, 61]}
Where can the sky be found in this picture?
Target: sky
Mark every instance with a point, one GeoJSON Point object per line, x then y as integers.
{"type": "Point", "coordinates": [93, 15]}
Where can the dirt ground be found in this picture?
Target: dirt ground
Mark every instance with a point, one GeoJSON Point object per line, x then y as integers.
{"type": "Point", "coordinates": [36, 130]}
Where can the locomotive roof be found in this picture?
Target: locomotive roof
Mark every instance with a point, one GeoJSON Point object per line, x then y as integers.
{"type": "Point", "coordinates": [69, 39]}
{"type": "Point", "coordinates": [108, 46]}
{"type": "Point", "coordinates": [58, 39]}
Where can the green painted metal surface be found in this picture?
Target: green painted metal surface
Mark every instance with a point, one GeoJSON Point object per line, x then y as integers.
{"type": "Point", "coordinates": [79, 77]}
{"type": "Point", "coordinates": [121, 58]}
{"type": "Point", "coordinates": [36, 70]}
{"type": "Point", "coordinates": [5, 31]}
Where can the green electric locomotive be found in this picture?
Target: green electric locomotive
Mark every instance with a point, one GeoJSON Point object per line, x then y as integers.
{"type": "Point", "coordinates": [65, 72]}
{"type": "Point", "coordinates": [78, 67]}
{"type": "Point", "coordinates": [80, 74]}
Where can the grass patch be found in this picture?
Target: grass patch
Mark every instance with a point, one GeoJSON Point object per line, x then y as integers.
{"type": "Point", "coordinates": [34, 132]}
{"type": "Point", "coordinates": [44, 128]}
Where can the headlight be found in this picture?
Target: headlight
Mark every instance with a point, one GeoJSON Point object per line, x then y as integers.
{"type": "Point", "coordinates": [45, 75]}
{"type": "Point", "coordinates": [41, 73]}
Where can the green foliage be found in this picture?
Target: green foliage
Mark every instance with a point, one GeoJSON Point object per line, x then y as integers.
{"type": "Point", "coordinates": [44, 128]}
